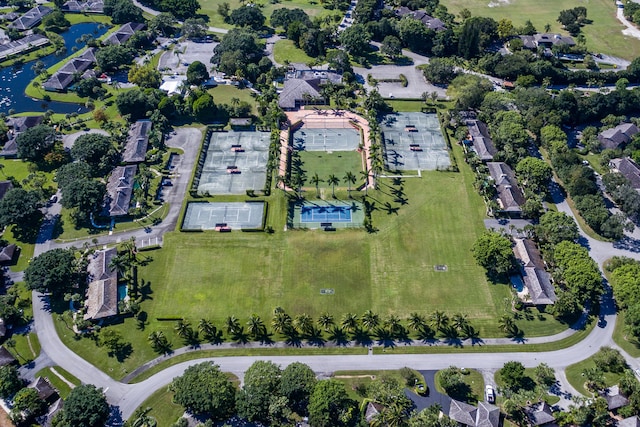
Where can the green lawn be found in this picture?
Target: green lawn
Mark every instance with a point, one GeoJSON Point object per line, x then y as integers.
{"type": "Point", "coordinates": [63, 388]}
{"type": "Point", "coordinates": [27, 347]}
{"type": "Point", "coordinates": [575, 378]}
{"type": "Point", "coordinates": [353, 379]}
{"type": "Point", "coordinates": [165, 412]}
{"type": "Point", "coordinates": [224, 94]}
{"type": "Point", "coordinates": [325, 164]}
{"type": "Point", "coordinates": [603, 35]}
{"type": "Point", "coordinates": [284, 51]}
{"type": "Point", "coordinates": [473, 379]}
{"type": "Point", "coordinates": [627, 342]}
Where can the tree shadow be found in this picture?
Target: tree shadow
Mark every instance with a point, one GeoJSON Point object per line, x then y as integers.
{"type": "Point", "coordinates": [122, 353]}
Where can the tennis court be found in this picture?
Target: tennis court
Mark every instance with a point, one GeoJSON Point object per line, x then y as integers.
{"type": "Point", "coordinates": [414, 141]}
{"type": "Point", "coordinates": [235, 162]}
{"type": "Point", "coordinates": [327, 139]}
{"type": "Point", "coordinates": [223, 216]}
{"type": "Point", "coordinates": [324, 214]}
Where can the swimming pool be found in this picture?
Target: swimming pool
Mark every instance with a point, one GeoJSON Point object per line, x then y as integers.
{"type": "Point", "coordinates": [327, 213]}
{"type": "Point", "coordinates": [122, 292]}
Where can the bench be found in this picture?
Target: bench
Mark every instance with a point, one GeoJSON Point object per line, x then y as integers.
{"type": "Point", "coordinates": [329, 229]}
{"type": "Point", "coordinates": [237, 149]}
{"type": "Point", "coordinates": [326, 224]}
{"type": "Point", "coordinates": [223, 229]}
{"type": "Point", "coordinates": [221, 224]}
{"type": "Point", "coordinates": [416, 149]}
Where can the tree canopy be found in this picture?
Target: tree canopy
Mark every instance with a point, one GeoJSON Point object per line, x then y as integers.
{"type": "Point", "coordinates": [204, 389]}
{"type": "Point", "coordinates": [355, 39]}
{"type": "Point", "coordinates": [35, 142]}
{"type": "Point", "coordinates": [113, 57]}
{"type": "Point", "coordinates": [95, 150]}
{"type": "Point", "coordinates": [86, 406]}
{"type": "Point", "coordinates": [20, 207]}
{"type": "Point", "coordinates": [197, 73]}
{"type": "Point", "coordinates": [554, 227]}
{"type": "Point", "coordinates": [122, 11]}
{"type": "Point", "coordinates": [261, 386]}
{"type": "Point", "coordinates": [493, 251]}
{"type": "Point", "coordinates": [10, 382]}
{"type": "Point", "coordinates": [296, 384]}
{"type": "Point", "coordinates": [330, 406]}
{"type": "Point", "coordinates": [52, 271]}
{"type": "Point", "coordinates": [247, 16]}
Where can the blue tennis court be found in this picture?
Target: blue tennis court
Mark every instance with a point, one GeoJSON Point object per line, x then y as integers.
{"type": "Point", "coordinates": [325, 214]}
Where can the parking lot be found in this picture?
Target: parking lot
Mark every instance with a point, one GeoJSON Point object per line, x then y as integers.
{"type": "Point", "coordinates": [180, 55]}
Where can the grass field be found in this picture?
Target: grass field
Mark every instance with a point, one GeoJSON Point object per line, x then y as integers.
{"type": "Point", "coordinates": [165, 412]}
{"type": "Point", "coordinates": [575, 378]}
{"type": "Point", "coordinates": [473, 379]}
{"type": "Point", "coordinates": [325, 164]}
{"type": "Point", "coordinates": [627, 342]}
{"type": "Point", "coordinates": [223, 94]}
{"type": "Point", "coordinates": [604, 35]}
{"type": "Point", "coordinates": [63, 388]}
{"type": "Point", "coordinates": [284, 51]}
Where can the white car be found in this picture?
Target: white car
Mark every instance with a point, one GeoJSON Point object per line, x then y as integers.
{"type": "Point", "coordinates": [489, 394]}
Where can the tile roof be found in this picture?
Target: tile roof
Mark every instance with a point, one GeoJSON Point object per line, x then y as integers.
{"type": "Point", "coordinates": [31, 18]}
{"type": "Point", "coordinates": [63, 78]}
{"type": "Point", "coordinates": [534, 275]}
{"type": "Point", "coordinates": [20, 124]}
{"type": "Point", "coordinates": [429, 21]}
{"type": "Point", "coordinates": [44, 388]}
{"type": "Point", "coordinates": [7, 253]}
{"type": "Point", "coordinates": [135, 150]}
{"type": "Point", "coordinates": [615, 137]}
{"type": "Point", "coordinates": [6, 358]}
{"type": "Point", "coordinates": [629, 422]}
{"type": "Point", "coordinates": [120, 189]}
{"type": "Point", "coordinates": [510, 197]}
{"type": "Point", "coordinates": [25, 43]}
{"type": "Point", "coordinates": [629, 169]}
{"type": "Point", "coordinates": [539, 414]}
{"type": "Point", "coordinates": [89, 6]}
{"type": "Point", "coordinates": [102, 292]}
{"type": "Point", "coordinates": [294, 91]}
{"type": "Point", "coordinates": [124, 33]}
{"type": "Point", "coordinates": [614, 398]}
{"type": "Point", "coordinates": [463, 413]}
{"type": "Point", "coordinates": [482, 142]}
{"type": "Point", "coordinates": [10, 148]}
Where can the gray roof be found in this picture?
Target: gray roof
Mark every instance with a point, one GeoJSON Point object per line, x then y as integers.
{"type": "Point", "coordinates": [4, 187]}
{"type": "Point", "coordinates": [6, 358]}
{"type": "Point", "coordinates": [294, 90]}
{"type": "Point", "coordinates": [614, 399]}
{"type": "Point", "coordinates": [28, 42]}
{"type": "Point", "coordinates": [63, 78]}
{"type": "Point", "coordinates": [539, 414]}
{"type": "Point", "coordinates": [322, 72]}
{"type": "Point", "coordinates": [510, 197]}
{"type": "Point", "coordinates": [463, 413]}
{"type": "Point", "coordinates": [124, 33]}
{"type": "Point", "coordinates": [89, 6]}
{"type": "Point", "coordinates": [20, 124]}
{"type": "Point", "coordinates": [44, 388]}
{"type": "Point", "coordinates": [529, 42]}
{"type": "Point", "coordinates": [429, 21]}
{"type": "Point", "coordinates": [372, 412]}
{"type": "Point", "coordinates": [135, 151]}
{"type": "Point", "coordinates": [10, 148]}
{"type": "Point", "coordinates": [31, 18]}
{"type": "Point", "coordinates": [629, 169]}
{"type": "Point", "coordinates": [553, 39]}
{"type": "Point", "coordinates": [7, 253]}
{"type": "Point", "coordinates": [482, 142]}
{"type": "Point", "coordinates": [488, 415]}
{"type": "Point", "coordinates": [120, 189]}
{"type": "Point", "coordinates": [615, 137]}
{"type": "Point", "coordinates": [629, 422]}
{"type": "Point", "coordinates": [102, 292]}
{"type": "Point", "coordinates": [534, 275]}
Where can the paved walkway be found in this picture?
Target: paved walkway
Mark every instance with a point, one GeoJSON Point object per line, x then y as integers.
{"type": "Point", "coordinates": [631, 29]}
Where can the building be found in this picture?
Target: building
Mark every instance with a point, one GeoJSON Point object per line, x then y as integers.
{"type": "Point", "coordinates": [7, 254]}
{"type": "Point", "coordinates": [18, 125]}
{"type": "Point", "coordinates": [480, 139]}
{"type": "Point", "coordinates": [120, 190]}
{"type": "Point", "coordinates": [135, 150]}
{"type": "Point", "coordinates": [75, 67]}
{"type": "Point", "coordinates": [546, 41]}
{"type": "Point", "coordinates": [102, 292]}
{"type": "Point", "coordinates": [45, 390]}
{"type": "Point", "coordinates": [618, 136]}
{"type": "Point", "coordinates": [322, 72]}
{"type": "Point", "coordinates": [485, 415]}
{"type": "Point", "coordinates": [297, 92]}
{"type": "Point", "coordinates": [628, 168]}
{"type": "Point", "coordinates": [429, 21]}
{"type": "Point", "coordinates": [4, 187]}
{"type": "Point", "coordinates": [629, 422]}
{"type": "Point", "coordinates": [615, 399]}
{"type": "Point", "coordinates": [539, 414]}
{"type": "Point", "coordinates": [6, 358]}
{"type": "Point", "coordinates": [124, 33]}
{"type": "Point", "coordinates": [27, 43]}
{"type": "Point", "coordinates": [510, 197]}
{"type": "Point", "coordinates": [539, 289]}
{"type": "Point", "coordinates": [89, 6]}
{"type": "Point", "coordinates": [30, 19]}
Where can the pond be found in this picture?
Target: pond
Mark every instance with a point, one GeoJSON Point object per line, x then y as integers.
{"type": "Point", "coordinates": [14, 80]}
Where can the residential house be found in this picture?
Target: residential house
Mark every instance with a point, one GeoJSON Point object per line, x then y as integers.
{"type": "Point", "coordinates": [120, 190]}
{"type": "Point", "coordinates": [539, 414]}
{"type": "Point", "coordinates": [629, 422]}
{"type": "Point", "coordinates": [297, 92]}
{"type": "Point", "coordinates": [373, 410]}
{"type": "Point", "coordinates": [429, 21]}
{"type": "Point", "coordinates": [27, 43]}
{"type": "Point", "coordinates": [31, 18]}
{"type": "Point", "coordinates": [17, 125]}
{"type": "Point", "coordinates": [7, 254]}
{"type": "Point", "coordinates": [628, 168]}
{"type": "Point", "coordinates": [74, 68]}
{"type": "Point", "coordinates": [510, 197]}
{"type": "Point", "coordinates": [615, 399]}
{"type": "Point", "coordinates": [480, 139]}
{"type": "Point", "coordinates": [4, 187]}
{"type": "Point", "coordinates": [89, 6]}
{"type": "Point", "coordinates": [102, 292]}
{"type": "Point", "coordinates": [124, 33]}
{"type": "Point", "coordinates": [45, 390]}
{"type": "Point", "coordinates": [47, 420]}
{"type": "Point", "coordinates": [618, 136]}
{"type": "Point", "coordinates": [485, 415]}
{"type": "Point", "coordinates": [135, 150]}
{"type": "Point", "coordinates": [546, 41]}
{"type": "Point", "coordinates": [6, 358]}
{"type": "Point", "coordinates": [537, 282]}
{"type": "Point", "coordinates": [322, 72]}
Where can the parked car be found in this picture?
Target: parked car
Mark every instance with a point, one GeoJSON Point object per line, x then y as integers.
{"type": "Point", "coordinates": [489, 394]}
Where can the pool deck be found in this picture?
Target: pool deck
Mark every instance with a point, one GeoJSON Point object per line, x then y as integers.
{"type": "Point", "coordinates": [343, 117]}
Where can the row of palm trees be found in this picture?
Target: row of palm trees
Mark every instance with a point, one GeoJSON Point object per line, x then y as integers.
{"type": "Point", "coordinates": [349, 178]}
{"type": "Point", "coordinates": [361, 329]}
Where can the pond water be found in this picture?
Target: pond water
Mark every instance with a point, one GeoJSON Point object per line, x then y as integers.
{"type": "Point", "coordinates": [14, 80]}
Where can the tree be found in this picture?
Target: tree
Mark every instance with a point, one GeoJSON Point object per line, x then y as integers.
{"type": "Point", "coordinates": [333, 180]}
{"type": "Point", "coordinates": [197, 73]}
{"type": "Point", "coordinates": [415, 35]}
{"type": "Point", "coordinates": [111, 339]}
{"type": "Point", "coordinates": [355, 39]}
{"type": "Point", "coordinates": [144, 76]}
{"type": "Point", "coordinates": [180, 8]}
{"type": "Point", "coordinates": [163, 23]}
{"type": "Point", "coordinates": [247, 16]}
{"type": "Point", "coordinates": [555, 227]}
{"type": "Point", "coordinates": [159, 342]}
{"type": "Point", "coordinates": [204, 107]}
{"type": "Point", "coordinates": [350, 179]}
{"type": "Point", "coordinates": [194, 28]}
{"type": "Point", "coordinates": [512, 374]}
{"type": "Point", "coordinates": [261, 385]}
{"type": "Point", "coordinates": [545, 375]}
{"type": "Point", "coordinates": [56, 22]}
{"type": "Point", "coordinates": [85, 406]}
{"type": "Point", "coordinates": [122, 11]}
{"type": "Point", "coordinates": [10, 382]}
{"type": "Point", "coordinates": [86, 196]}
{"type": "Point", "coordinates": [284, 17]}
{"type": "Point", "coordinates": [223, 10]}
{"type": "Point", "coordinates": [452, 382]}
{"type": "Point", "coordinates": [296, 384]}
{"type": "Point", "coordinates": [608, 359]}
{"type": "Point", "coordinates": [52, 271]}
{"type": "Point", "coordinates": [391, 47]}
{"type": "Point", "coordinates": [27, 404]}
{"type": "Point", "coordinates": [535, 174]}
{"type": "Point", "coordinates": [113, 57]}
{"type": "Point", "coordinates": [330, 406]}
{"type": "Point", "coordinates": [35, 142]}
{"type": "Point", "coordinates": [236, 50]}
{"type": "Point", "coordinates": [469, 90]}
{"type": "Point", "coordinates": [95, 150]}
{"type": "Point", "coordinates": [205, 389]}
{"type": "Point", "coordinates": [439, 71]}
{"type": "Point", "coordinates": [138, 103]}
{"type": "Point", "coordinates": [20, 207]}
{"type": "Point", "coordinates": [493, 251]}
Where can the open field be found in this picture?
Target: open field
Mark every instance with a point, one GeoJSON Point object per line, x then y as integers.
{"type": "Point", "coordinates": [604, 35]}
{"type": "Point", "coordinates": [223, 94]}
{"type": "Point", "coordinates": [473, 379]}
{"type": "Point", "coordinates": [575, 378]}
{"type": "Point", "coordinates": [325, 164]}
{"type": "Point", "coordinates": [63, 388]}
{"type": "Point", "coordinates": [285, 51]}
{"type": "Point", "coordinates": [165, 412]}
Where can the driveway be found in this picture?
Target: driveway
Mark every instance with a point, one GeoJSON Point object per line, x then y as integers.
{"type": "Point", "coordinates": [70, 139]}
{"type": "Point", "coordinates": [631, 29]}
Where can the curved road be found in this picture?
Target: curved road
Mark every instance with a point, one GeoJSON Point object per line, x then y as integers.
{"type": "Point", "coordinates": [155, 13]}
{"type": "Point", "coordinates": [129, 396]}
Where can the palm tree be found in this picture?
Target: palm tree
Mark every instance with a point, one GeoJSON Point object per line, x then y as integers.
{"type": "Point", "coordinates": [333, 181]}
{"type": "Point", "coordinates": [507, 324]}
{"type": "Point", "coordinates": [159, 342]}
{"type": "Point", "coordinates": [183, 328]}
{"type": "Point", "coordinates": [394, 324]}
{"type": "Point", "coordinates": [208, 329]}
{"type": "Point", "coordinates": [11, 343]}
{"type": "Point", "coordinates": [315, 180]}
{"type": "Point", "coordinates": [256, 326]}
{"type": "Point", "coordinates": [439, 320]}
{"type": "Point", "coordinates": [325, 321]}
{"type": "Point", "coordinates": [370, 320]}
{"type": "Point", "coordinates": [459, 320]}
{"type": "Point", "coordinates": [350, 179]}
{"type": "Point", "coordinates": [280, 321]}
{"type": "Point", "coordinates": [233, 325]}
{"type": "Point", "coordinates": [349, 321]}
{"type": "Point", "coordinates": [337, 334]}
{"type": "Point", "coordinates": [365, 175]}
{"type": "Point", "coordinates": [416, 321]}
{"type": "Point", "coordinates": [303, 322]}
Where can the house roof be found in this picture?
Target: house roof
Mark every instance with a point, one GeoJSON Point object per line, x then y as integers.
{"type": "Point", "coordinates": [20, 124]}
{"type": "Point", "coordinates": [124, 33]}
{"type": "Point", "coordinates": [90, 6]}
{"type": "Point", "coordinates": [488, 415]}
{"type": "Point", "coordinates": [62, 78]}
{"type": "Point", "coordinates": [373, 410]}
{"type": "Point", "coordinates": [240, 121]}
{"type": "Point", "coordinates": [120, 189]}
{"type": "Point", "coordinates": [629, 422]}
{"type": "Point", "coordinates": [4, 187]}
{"type": "Point", "coordinates": [7, 253]}
{"type": "Point", "coordinates": [553, 39]}
{"type": "Point", "coordinates": [482, 142]}
{"type": "Point", "coordinates": [510, 197]}
{"type": "Point", "coordinates": [28, 42]}
{"type": "Point", "coordinates": [539, 414]}
{"type": "Point", "coordinates": [59, 81]}
{"type": "Point", "coordinates": [614, 398]}
{"type": "Point", "coordinates": [295, 89]}
{"type": "Point", "coordinates": [102, 292]}
{"type": "Point", "coordinates": [463, 413]}
{"type": "Point", "coordinates": [135, 151]}
{"type": "Point", "coordinates": [10, 148]}
{"type": "Point", "coordinates": [615, 137]}
{"type": "Point", "coordinates": [31, 18]}
{"type": "Point", "coordinates": [534, 275]}
{"type": "Point", "coordinates": [6, 358]}
{"type": "Point", "coordinates": [629, 169]}
{"type": "Point", "coordinates": [44, 388]}
{"type": "Point", "coordinates": [429, 21]}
